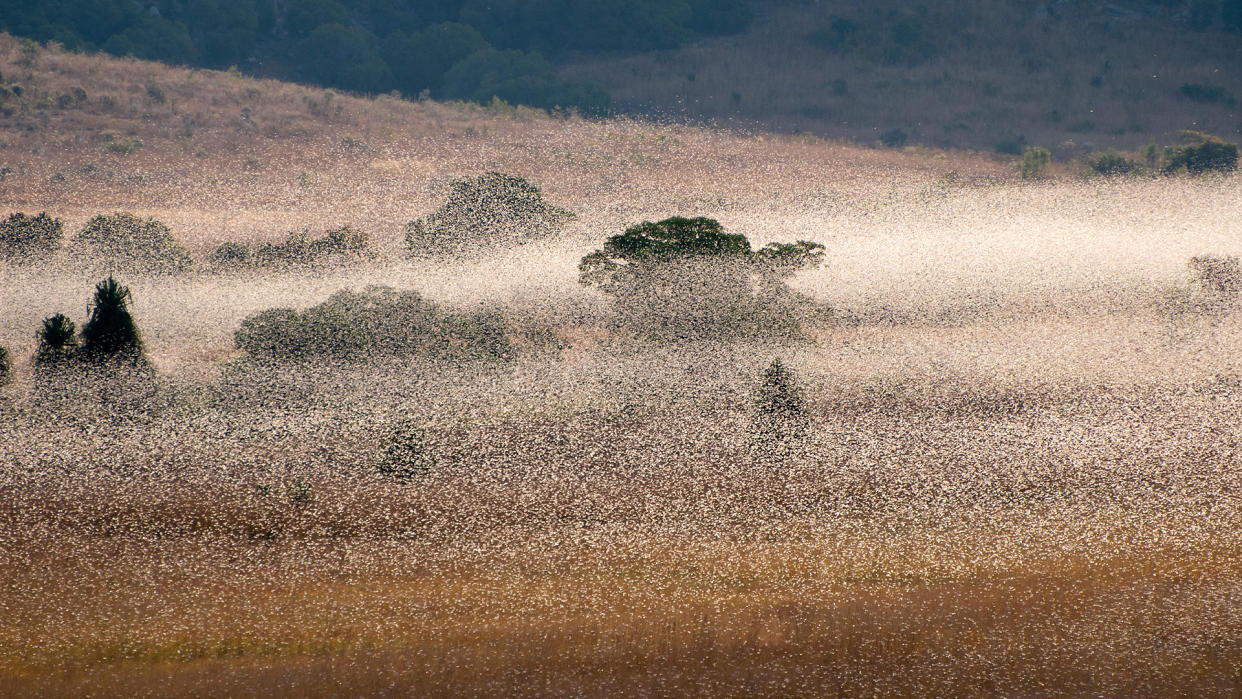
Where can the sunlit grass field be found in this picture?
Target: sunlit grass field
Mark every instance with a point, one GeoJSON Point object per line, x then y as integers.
{"type": "Point", "coordinates": [1022, 476]}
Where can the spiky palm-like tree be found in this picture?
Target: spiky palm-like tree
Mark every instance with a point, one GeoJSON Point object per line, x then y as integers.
{"type": "Point", "coordinates": [58, 341]}
{"type": "Point", "coordinates": [111, 333]}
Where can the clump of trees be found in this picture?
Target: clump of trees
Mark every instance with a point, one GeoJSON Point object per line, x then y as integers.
{"type": "Point", "coordinates": [1201, 152]}
{"type": "Point", "coordinates": [338, 246]}
{"type": "Point", "coordinates": [377, 322]}
{"type": "Point", "coordinates": [123, 241]}
{"type": "Point", "coordinates": [686, 279]}
{"type": "Point", "coordinates": [107, 355]}
{"type": "Point", "coordinates": [29, 238]}
{"type": "Point", "coordinates": [489, 210]}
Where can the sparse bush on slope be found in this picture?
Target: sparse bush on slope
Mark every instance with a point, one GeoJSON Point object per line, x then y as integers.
{"type": "Point", "coordinates": [686, 279]}
{"type": "Point", "coordinates": [493, 209]}
{"type": "Point", "coordinates": [339, 246]}
{"type": "Point", "coordinates": [1219, 279]}
{"type": "Point", "coordinates": [405, 455]}
{"type": "Point", "coordinates": [1201, 152]}
{"type": "Point", "coordinates": [128, 243]}
{"type": "Point", "coordinates": [378, 322]}
{"type": "Point", "coordinates": [29, 238]}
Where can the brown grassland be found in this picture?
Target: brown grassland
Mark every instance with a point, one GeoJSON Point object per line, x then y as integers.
{"type": "Point", "coordinates": [1023, 476]}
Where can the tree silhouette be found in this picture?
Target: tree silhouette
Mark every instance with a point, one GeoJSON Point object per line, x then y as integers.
{"type": "Point", "coordinates": [111, 334]}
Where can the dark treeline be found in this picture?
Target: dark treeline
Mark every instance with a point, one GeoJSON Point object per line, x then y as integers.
{"type": "Point", "coordinates": [447, 49]}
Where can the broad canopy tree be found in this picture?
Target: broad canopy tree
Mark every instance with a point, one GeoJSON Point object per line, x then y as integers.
{"type": "Point", "coordinates": [686, 278]}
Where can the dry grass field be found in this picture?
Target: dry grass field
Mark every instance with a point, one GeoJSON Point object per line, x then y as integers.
{"type": "Point", "coordinates": [1023, 476]}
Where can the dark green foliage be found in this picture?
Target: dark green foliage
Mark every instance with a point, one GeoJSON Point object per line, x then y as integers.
{"type": "Point", "coordinates": [1034, 162]}
{"type": "Point", "coordinates": [894, 138]}
{"type": "Point", "coordinates": [230, 254]}
{"type": "Point", "coordinates": [1201, 152]}
{"type": "Point", "coordinates": [58, 342]}
{"type": "Point", "coordinates": [303, 16]}
{"type": "Point", "coordinates": [520, 78]}
{"type": "Point", "coordinates": [892, 38]}
{"type": "Point", "coordinates": [685, 279]}
{"type": "Point", "coordinates": [1211, 94]}
{"type": "Point", "coordinates": [6, 367]}
{"type": "Point", "coordinates": [420, 60]}
{"type": "Point", "coordinates": [781, 418]}
{"type": "Point", "coordinates": [1112, 163]}
{"type": "Point", "coordinates": [480, 212]}
{"type": "Point", "coordinates": [405, 455]}
{"type": "Point", "coordinates": [335, 247]}
{"type": "Point", "coordinates": [343, 56]}
{"type": "Point", "coordinates": [110, 335]}
{"type": "Point", "coordinates": [27, 238]}
{"type": "Point", "coordinates": [378, 322]}
{"type": "Point", "coordinates": [1012, 146]}
{"type": "Point", "coordinates": [1231, 14]}
{"type": "Point", "coordinates": [126, 242]}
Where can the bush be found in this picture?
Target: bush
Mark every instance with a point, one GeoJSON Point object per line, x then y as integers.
{"type": "Point", "coordinates": [230, 254]}
{"type": "Point", "coordinates": [489, 210]}
{"type": "Point", "coordinates": [405, 455]}
{"type": "Point", "coordinates": [1034, 162]}
{"type": "Point", "coordinates": [687, 279]}
{"type": "Point", "coordinates": [894, 138]}
{"type": "Point", "coordinates": [378, 322]}
{"type": "Point", "coordinates": [126, 242]}
{"type": "Point", "coordinates": [1211, 94]}
{"type": "Point", "coordinates": [1219, 279]}
{"type": "Point", "coordinates": [1112, 163]}
{"type": "Point", "coordinates": [26, 238]}
{"type": "Point", "coordinates": [780, 418]}
{"type": "Point", "coordinates": [110, 335]}
{"type": "Point", "coordinates": [340, 246]}
{"type": "Point", "coordinates": [6, 367]}
{"type": "Point", "coordinates": [1201, 153]}
{"type": "Point", "coordinates": [58, 342]}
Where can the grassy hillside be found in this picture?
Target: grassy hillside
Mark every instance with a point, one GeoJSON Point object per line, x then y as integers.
{"type": "Point", "coordinates": [1020, 475]}
{"type": "Point", "coordinates": [1068, 76]}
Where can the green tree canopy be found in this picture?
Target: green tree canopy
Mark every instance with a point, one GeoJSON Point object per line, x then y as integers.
{"type": "Point", "coordinates": [687, 278]}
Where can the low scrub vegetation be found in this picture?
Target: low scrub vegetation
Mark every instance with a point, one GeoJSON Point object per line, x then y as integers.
{"type": "Point", "coordinates": [493, 209]}
{"type": "Point", "coordinates": [686, 279]}
{"type": "Point", "coordinates": [128, 243]}
{"type": "Point", "coordinates": [377, 322]}
{"type": "Point", "coordinates": [335, 247]}
{"type": "Point", "coordinates": [29, 238]}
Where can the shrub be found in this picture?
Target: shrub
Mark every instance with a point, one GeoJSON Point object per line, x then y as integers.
{"type": "Point", "coordinates": [1201, 152]}
{"type": "Point", "coordinates": [491, 209]}
{"type": "Point", "coordinates": [378, 322]}
{"type": "Point", "coordinates": [1219, 278]}
{"type": "Point", "coordinates": [1034, 162]}
{"type": "Point", "coordinates": [339, 246]}
{"type": "Point", "coordinates": [111, 335]}
{"type": "Point", "coordinates": [58, 342]}
{"type": "Point", "coordinates": [405, 455]}
{"type": "Point", "coordinates": [1211, 94]}
{"type": "Point", "coordinates": [686, 279]}
{"type": "Point", "coordinates": [1112, 163]}
{"type": "Point", "coordinates": [780, 417]}
{"type": "Point", "coordinates": [6, 367]}
{"type": "Point", "coordinates": [231, 254]}
{"type": "Point", "coordinates": [25, 238]}
{"type": "Point", "coordinates": [126, 242]}
{"type": "Point", "coordinates": [894, 138]}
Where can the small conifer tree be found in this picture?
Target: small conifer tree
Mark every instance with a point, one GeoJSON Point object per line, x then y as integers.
{"type": "Point", "coordinates": [781, 419]}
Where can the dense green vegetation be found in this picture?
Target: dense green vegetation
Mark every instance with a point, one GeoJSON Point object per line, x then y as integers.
{"type": "Point", "coordinates": [459, 49]}
{"type": "Point", "coordinates": [686, 279]}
